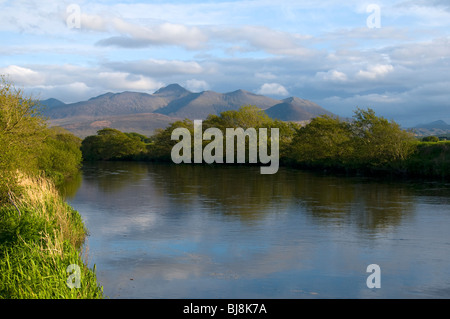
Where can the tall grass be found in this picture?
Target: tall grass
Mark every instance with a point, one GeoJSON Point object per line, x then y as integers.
{"type": "Point", "coordinates": [40, 236]}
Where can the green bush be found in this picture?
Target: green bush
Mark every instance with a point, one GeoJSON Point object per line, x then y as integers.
{"type": "Point", "coordinates": [430, 159]}
{"type": "Point", "coordinates": [430, 139]}
{"type": "Point", "coordinates": [112, 144]}
{"type": "Point", "coordinates": [61, 155]}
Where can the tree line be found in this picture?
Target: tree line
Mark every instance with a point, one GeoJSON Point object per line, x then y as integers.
{"type": "Point", "coordinates": [365, 143]}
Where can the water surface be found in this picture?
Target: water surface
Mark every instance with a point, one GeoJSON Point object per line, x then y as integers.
{"type": "Point", "coordinates": [170, 231]}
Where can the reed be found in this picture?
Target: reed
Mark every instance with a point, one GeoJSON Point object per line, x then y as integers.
{"type": "Point", "coordinates": [40, 236]}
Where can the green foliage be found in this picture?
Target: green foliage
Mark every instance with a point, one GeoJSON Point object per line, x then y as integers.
{"type": "Point", "coordinates": [112, 144]}
{"type": "Point", "coordinates": [40, 235]}
{"type": "Point", "coordinates": [247, 116]}
{"type": "Point", "coordinates": [430, 159]}
{"type": "Point", "coordinates": [367, 142]}
{"type": "Point", "coordinates": [22, 132]}
{"type": "Point", "coordinates": [37, 245]}
{"type": "Point", "coordinates": [141, 137]}
{"type": "Point", "coordinates": [161, 143]}
{"type": "Point", "coordinates": [379, 142]}
{"type": "Point", "coordinates": [61, 155]}
{"type": "Point", "coordinates": [28, 145]}
{"type": "Point", "coordinates": [325, 141]}
{"type": "Point", "coordinates": [434, 139]}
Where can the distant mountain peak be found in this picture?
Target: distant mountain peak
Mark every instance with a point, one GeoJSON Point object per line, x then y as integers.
{"type": "Point", "coordinates": [439, 124]}
{"type": "Point", "coordinates": [296, 109]}
{"type": "Point", "coordinates": [171, 89]}
{"type": "Point", "coordinates": [51, 103]}
{"type": "Point", "coordinates": [293, 99]}
{"type": "Point", "coordinates": [239, 92]}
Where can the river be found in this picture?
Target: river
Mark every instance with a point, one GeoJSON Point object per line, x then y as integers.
{"type": "Point", "coordinates": [171, 231]}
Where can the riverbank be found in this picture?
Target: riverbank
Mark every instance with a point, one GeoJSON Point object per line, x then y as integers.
{"type": "Point", "coordinates": [40, 237]}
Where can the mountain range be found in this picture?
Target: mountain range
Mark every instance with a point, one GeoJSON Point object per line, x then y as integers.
{"type": "Point", "coordinates": [436, 128]}
{"type": "Point", "coordinates": [144, 113]}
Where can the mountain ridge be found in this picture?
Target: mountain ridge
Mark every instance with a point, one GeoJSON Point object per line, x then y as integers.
{"type": "Point", "coordinates": [174, 102]}
{"type": "Point", "coordinates": [436, 128]}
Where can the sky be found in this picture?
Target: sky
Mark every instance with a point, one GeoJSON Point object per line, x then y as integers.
{"type": "Point", "coordinates": [391, 56]}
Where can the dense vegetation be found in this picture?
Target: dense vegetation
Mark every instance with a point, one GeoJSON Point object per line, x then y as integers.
{"type": "Point", "coordinates": [40, 235]}
{"type": "Point", "coordinates": [367, 144]}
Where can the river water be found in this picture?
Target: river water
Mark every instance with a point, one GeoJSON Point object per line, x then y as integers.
{"type": "Point", "coordinates": [171, 231]}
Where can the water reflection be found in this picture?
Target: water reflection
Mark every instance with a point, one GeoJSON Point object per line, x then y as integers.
{"type": "Point", "coordinates": [217, 231]}
{"type": "Point", "coordinates": [248, 195]}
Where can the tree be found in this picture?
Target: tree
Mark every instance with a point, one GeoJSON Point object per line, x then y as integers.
{"type": "Point", "coordinates": [379, 142]}
{"type": "Point", "coordinates": [325, 141]}
{"type": "Point", "coordinates": [111, 144]}
{"type": "Point", "coordinates": [22, 131]}
{"type": "Point", "coordinates": [245, 117]}
{"type": "Point", "coordinates": [61, 155]}
{"type": "Point", "coordinates": [432, 139]}
{"type": "Point", "coordinates": [161, 143]}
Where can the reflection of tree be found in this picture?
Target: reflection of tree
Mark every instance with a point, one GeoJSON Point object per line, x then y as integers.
{"type": "Point", "coordinates": [369, 205]}
{"type": "Point", "coordinates": [113, 176]}
{"type": "Point", "coordinates": [242, 192]}
{"type": "Point", "coordinates": [69, 188]}
{"type": "Point", "coordinates": [225, 189]}
{"type": "Point", "coordinates": [246, 194]}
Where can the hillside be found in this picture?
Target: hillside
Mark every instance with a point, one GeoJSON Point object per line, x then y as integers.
{"type": "Point", "coordinates": [142, 123]}
{"type": "Point", "coordinates": [435, 128]}
{"type": "Point", "coordinates": [296, 109]}
{"type": "Point", "coordinates": [143, 112]}
{"type": "Point", "coordinates": [200, 105]}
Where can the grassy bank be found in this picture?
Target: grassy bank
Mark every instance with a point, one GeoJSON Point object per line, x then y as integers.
{"type": "Point", "coordinates": [40, 236]}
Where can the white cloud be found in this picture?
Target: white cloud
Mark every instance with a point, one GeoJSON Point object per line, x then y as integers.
{"type": "Point", "coordinates": [194, 85]}
{"type": "Point", "coordinates": [375, 71]}
{"type": "Point", "coordinates": [265, 75]}
{"type": "Point", "coordinates": [23, 76]}
{"type": "Point", "coordinates": [135, 35]}
{"type": "Point", "coordinates": [263, 38]}
{"type": "Point", "coordinates": [76, 82]}
{"type": "Point", "coordinates": [158, 67]}
{"type": "Point", "coordinates": [332, 75]}
{"type": "Point", "coordinates": [124, 81]}
{"type": "Point", "coordinates": [273, 89]}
